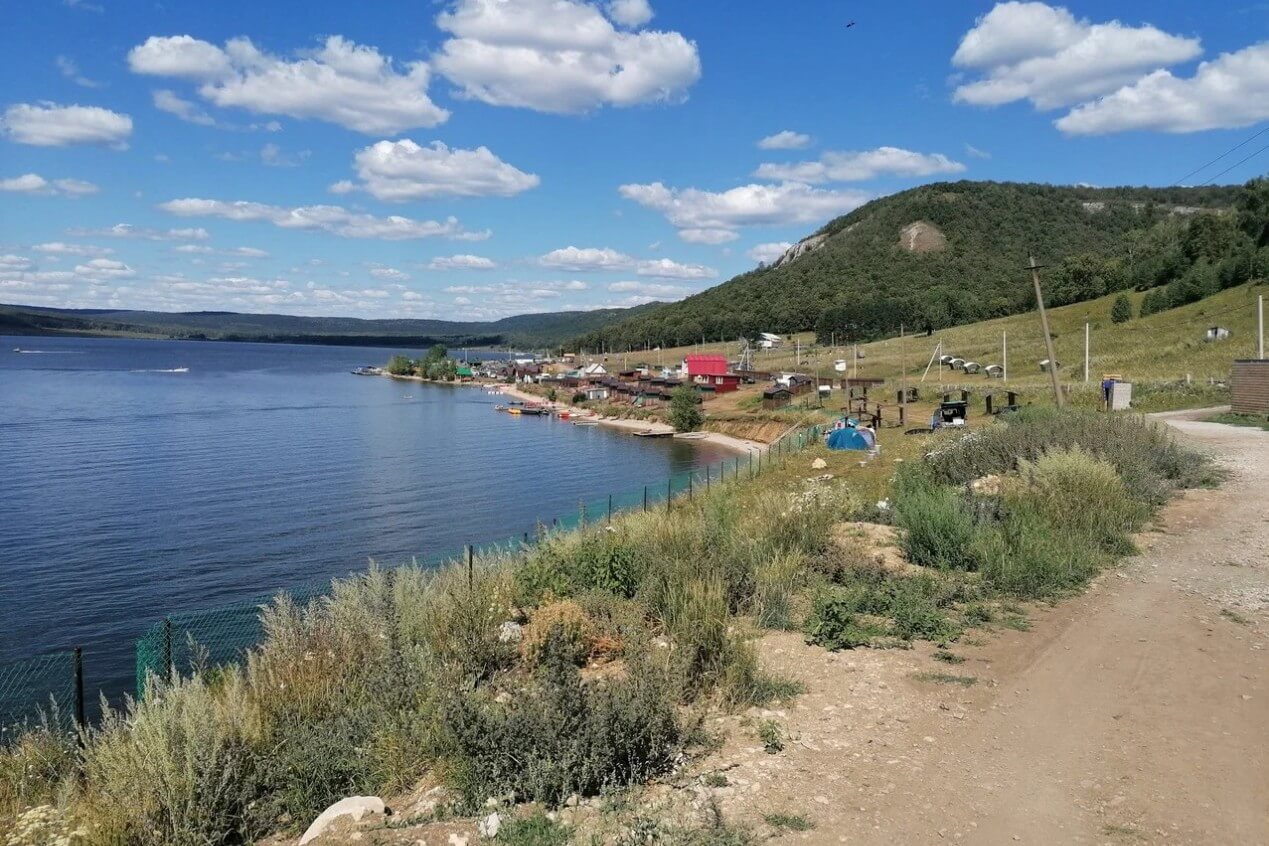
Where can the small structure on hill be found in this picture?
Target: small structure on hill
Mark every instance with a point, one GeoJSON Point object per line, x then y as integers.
{"type": "Point", "coordinates": [971, 367]}
{"type": "Point", "coordinates": [1216, 333]}
{"type": "Point", "coordinates": [994, 371]}
{"type": "Point", "coordinates": [1044, 365]}
{"type": "Point", "coordinates": [769, 341]}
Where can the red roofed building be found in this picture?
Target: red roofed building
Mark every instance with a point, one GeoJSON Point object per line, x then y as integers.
{"type": "Point", "coordinates": [712, 370]}
{"type": "Point", "coordinates": [699, 364]}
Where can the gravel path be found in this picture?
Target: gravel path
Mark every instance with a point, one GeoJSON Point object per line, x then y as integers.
{"type": "Point", "coordinates": [1137, 713]}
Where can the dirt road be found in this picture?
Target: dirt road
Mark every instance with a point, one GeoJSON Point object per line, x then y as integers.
{"type": "Point", "coordinates": [1137, 713]}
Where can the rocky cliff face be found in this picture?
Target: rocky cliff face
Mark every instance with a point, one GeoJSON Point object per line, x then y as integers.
{"type": "Point", "coordinates": [801, 248]}
{"type": "Point", "coordinates": [922, 237]}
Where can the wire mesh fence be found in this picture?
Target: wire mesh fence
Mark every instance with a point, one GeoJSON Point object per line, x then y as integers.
{"type": "Point", "coordinates": [46, 689]}
{"type": "Point", "coordinates": [184, 642]}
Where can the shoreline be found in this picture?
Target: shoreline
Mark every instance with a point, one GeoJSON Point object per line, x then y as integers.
{"type": "Point", "coordinates": [738, 445]}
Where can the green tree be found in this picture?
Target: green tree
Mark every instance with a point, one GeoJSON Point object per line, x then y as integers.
{"type": "Point", "coordinates": [400, 365]}
{"type": "Point", "coordinates": [1121, 311]}
{"type": "Point", "coordinates": [684, 414]}
{"type": "Point", "coordinates": [551, 394]}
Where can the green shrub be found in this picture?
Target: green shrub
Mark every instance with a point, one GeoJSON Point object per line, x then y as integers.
{"type": "Point", "coordinates": [775, 587]}
{"type": "Point", "coordinates": [771, 733]}
{"type": "Point", "coordinates": [1077, 492]}
{"type": "Point", "coordinates": [1121, 309]}
{"type": "Point", "coordinates": [34, 767]}
{"type": "Point", "coordinates": [1027, 556]}
{"type": "Point", "coordinates": [537, 830]}
{"type": "Point", "coordinates": [561, 736]}
{"type": "Point", "coordinates": [938, 528]}
{"type": "Point", "coordinates": [565, 565]}
{"type": "Point", "coordinates": [1150, 463]}
{"type": "Point", "coordinates": [179, 767]}
{"type": "Point", "coordinates": [834, 624]}
{"type": "Point", "coordinates": [563, 625]}
{"type": "Point", "coordinates": [314, 763]}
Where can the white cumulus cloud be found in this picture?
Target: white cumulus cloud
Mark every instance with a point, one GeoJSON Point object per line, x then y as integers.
{"type": "Point", "coordinates": [104, 269]}
{"type": "Point", "coordinates": [784, 140]}
{"type": "Point", "coordinates": [461, 262]}
{"type": "Point", "coordinates": [397, 171]}
{"type": "Point", "coordinates": [586, 258]}
{"type": "Point", "coordinates": [665, 268]}
{"type": "Point", "coordinates": [711, 217]}
{"type": "Point", "coordinates": [1042, 53]}
{"type": "Point", "coordinates": [127, 230]}
{"type": "Point", "coordinates": [1227, 92]}
{"type": "Point", "coordinates": [336, 220]}
{"type": "Point", "coordinates": [33, 183]}
{"type": "Point", "coordinates": [53, 125]}
{"type": "Point", "coordinates": [630, 13]}
{"type": "Point", "coordinates": [352, 85]}
{"type": "Point", "coordinates": [857, 166]}
{"type": "Point", "coordinates": [173, 104]}
{"type": "Point", "coordinates": [60, 248]}
{"type": "Point", "coordinates": [650, 290]}
{"type": "Point", "coordinates": [768, 252]}
{"type": "Point", "coordinates": [562, 56]}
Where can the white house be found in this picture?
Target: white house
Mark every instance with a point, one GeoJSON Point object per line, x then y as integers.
{"type": "Point", "coordinates": [595, 369]}
{"type": "Point", "coordinates": [768, 341]}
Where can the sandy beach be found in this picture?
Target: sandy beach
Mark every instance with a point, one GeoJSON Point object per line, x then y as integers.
{"type": "Point", "coordinates": [740, 445]}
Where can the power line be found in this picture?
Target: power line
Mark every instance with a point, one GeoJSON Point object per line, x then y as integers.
{"type": "Point", "coordinates": [1221, 156]}
{"type": "Point", "coordinates": [1236, 164]}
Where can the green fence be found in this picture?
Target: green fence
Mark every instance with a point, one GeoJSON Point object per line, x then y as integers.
{"type": "Point", "coordinates": [185, 642]}
{"type": "Point", "coordinates": [47, 689]}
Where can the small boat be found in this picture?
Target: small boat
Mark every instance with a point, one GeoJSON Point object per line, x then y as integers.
{"type": "Point", "coordinates": [501, 408]}
{"type": "Point", "coordinates": [366, 370]}
{"type": "Point", "coordinates": [585, 422]}
{"type": "Point", "coordinates": [654, 433]}
{"type": "Point", "coordinates": [515, 411]}
{"type": "Point", "coordinates": [563, 415]}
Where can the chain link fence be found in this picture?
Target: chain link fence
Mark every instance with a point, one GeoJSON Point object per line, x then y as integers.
{"type": "Point", "coordinates": [52, 685]}
{"type": "Point", "coordinates": [46, 689]}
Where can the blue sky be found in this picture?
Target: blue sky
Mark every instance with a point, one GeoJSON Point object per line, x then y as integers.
{"type": "Point", "coordinates": [471, 159]}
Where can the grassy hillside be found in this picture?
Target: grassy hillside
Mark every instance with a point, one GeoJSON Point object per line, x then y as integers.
{"type": "Point", "coordinates": [526, 330]}
{"type": "Point", "coordinates": [1155, 352]}
{"type": "Point", "coordinates": [969, 264]}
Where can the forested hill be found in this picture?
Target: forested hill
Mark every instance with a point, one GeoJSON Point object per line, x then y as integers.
{"type": "Point", "coordinates": [526, 330]}
{"type": "Point", "coordinates": [939, 255]}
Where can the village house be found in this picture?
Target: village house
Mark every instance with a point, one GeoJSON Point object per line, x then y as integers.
{"type": "Point", "coordinates": [712, 371]}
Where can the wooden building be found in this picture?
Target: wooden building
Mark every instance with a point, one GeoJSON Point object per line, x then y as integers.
{"type": "Point", "coordinates": [1250, 387]}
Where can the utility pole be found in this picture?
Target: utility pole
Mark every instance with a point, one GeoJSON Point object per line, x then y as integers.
{"type": "Point", "coordinates": [1004, 356]}
{"type": "Point", "coordinates": [1044, 327]}
{"type": "Point", "coordinates": [903, 363]}
{"type": "Point", "coordinates": [1260, 326]}
{"type": "Point", "coordinates": [1086, 352]}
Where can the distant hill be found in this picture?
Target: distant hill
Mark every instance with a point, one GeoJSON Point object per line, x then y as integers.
{"type": "Point", "coordinates": [526, 330]}
{"type": "Point", "coordinates": [939, 255]}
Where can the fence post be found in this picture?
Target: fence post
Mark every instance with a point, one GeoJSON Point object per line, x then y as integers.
{"type": "Point", "coordinates": [80, 722]}
{"type": "Point", "coordinates": [669, 492]}
{"type": "Point", "coordinates": [751, 465]}
{"type": "Point", "coordinates": [707, 478]}
{"type": "Point", "coordinates": [689, 487]}
{"type": "Point", "coordinates": [471, 568]}
{"type": "Point", "coordinates": [610, 509]}
{"type": "Point", "coordinates": [645, 499]}
{"type": "Point", "coordinates": [168, 666]}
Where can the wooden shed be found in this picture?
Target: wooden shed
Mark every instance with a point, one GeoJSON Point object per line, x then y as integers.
{"type": "Point", "coordinates": [1250, 387]}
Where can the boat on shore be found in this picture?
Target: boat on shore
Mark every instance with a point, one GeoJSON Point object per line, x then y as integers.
{"type": "Point", "coordinates": [585, 422]}
{"type": "Point", "coordinates": [654, 433]}
{"type": "Point", "coordinates": [368, 370]}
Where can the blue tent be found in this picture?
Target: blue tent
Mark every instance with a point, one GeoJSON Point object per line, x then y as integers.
{"type": "Point", "coordinates": [860, 439]}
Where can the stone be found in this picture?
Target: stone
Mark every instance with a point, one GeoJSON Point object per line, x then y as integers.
{"type": "Point", "coordinates": [457, 839]}
{"type": "Point", "coordinates": [510, 632]}
{"type": "Point", "coordinates": [819, 464]}
{"type": "Point", "coordinates": [352, 806]}
{"type": "Point", "coordinates": [490, 826]}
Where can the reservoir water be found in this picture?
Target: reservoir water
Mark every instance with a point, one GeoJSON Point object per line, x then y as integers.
{"type": "Point", "coordinates": [139, 478]}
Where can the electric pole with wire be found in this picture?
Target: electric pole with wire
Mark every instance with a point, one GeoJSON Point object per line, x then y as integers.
{"type": "Point", "coordinates": [1044, 327]}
